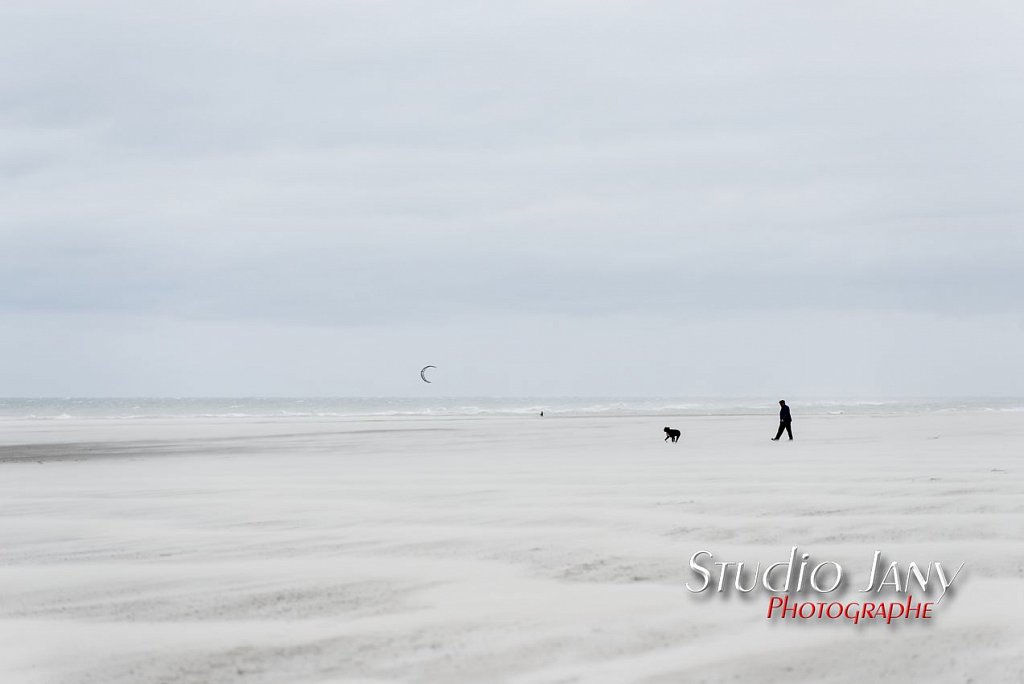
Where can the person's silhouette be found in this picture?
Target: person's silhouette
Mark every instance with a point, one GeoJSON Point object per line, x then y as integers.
{"type": "Point", "coordinates": [785, 422]}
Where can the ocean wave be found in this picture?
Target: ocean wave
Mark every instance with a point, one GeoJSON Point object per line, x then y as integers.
{"type": "Point", "coordinates": [468, 407]}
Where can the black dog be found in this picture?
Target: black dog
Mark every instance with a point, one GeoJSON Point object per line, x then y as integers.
{"type": "Point", "coordinates": [673, 434]}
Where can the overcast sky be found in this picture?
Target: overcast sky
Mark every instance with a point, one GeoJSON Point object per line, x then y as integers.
{"type": "Point", "coordinates": [540, 198]}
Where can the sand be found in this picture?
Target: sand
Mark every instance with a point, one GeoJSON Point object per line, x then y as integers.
{"type": "Point", "coordinates": [495, 549]}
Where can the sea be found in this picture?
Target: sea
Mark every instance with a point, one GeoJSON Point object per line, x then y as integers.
{"type": "Point", "coordinates": [467, 407]}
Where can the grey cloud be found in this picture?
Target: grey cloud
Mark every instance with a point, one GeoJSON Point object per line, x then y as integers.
{"type": "Point", "coordinates": [348, 164]}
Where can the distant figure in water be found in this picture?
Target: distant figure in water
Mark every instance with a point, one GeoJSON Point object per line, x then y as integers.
{"type": "Point", "coordinates": [673, 434]}
{"type": "Point", "coordinates": [785, 422]}
{"type": "Point", "coordinates": [541, 414]}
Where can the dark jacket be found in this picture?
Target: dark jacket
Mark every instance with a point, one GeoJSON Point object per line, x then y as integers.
{"type": "Point", "coordinates": [784, 415]}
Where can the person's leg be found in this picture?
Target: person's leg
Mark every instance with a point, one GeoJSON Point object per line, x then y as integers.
{"type": "Point", "coordinates": [782, 426]}
{"type": "Point", "coordinates": [789, 430]}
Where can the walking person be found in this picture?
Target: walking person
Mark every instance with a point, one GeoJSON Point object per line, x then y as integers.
{"type": "Point", "coordinates": [785, 422]}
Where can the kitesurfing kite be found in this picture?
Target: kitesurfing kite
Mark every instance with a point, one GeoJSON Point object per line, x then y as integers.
{"type": "Point", "coordinates": [423, 373]}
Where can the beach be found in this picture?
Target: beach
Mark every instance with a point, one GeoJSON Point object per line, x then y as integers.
{"type": "Point", "coordinates": [512, 549]}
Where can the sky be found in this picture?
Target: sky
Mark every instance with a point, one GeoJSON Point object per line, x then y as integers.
{"type": "Point", "coordinates": [304, 197]}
